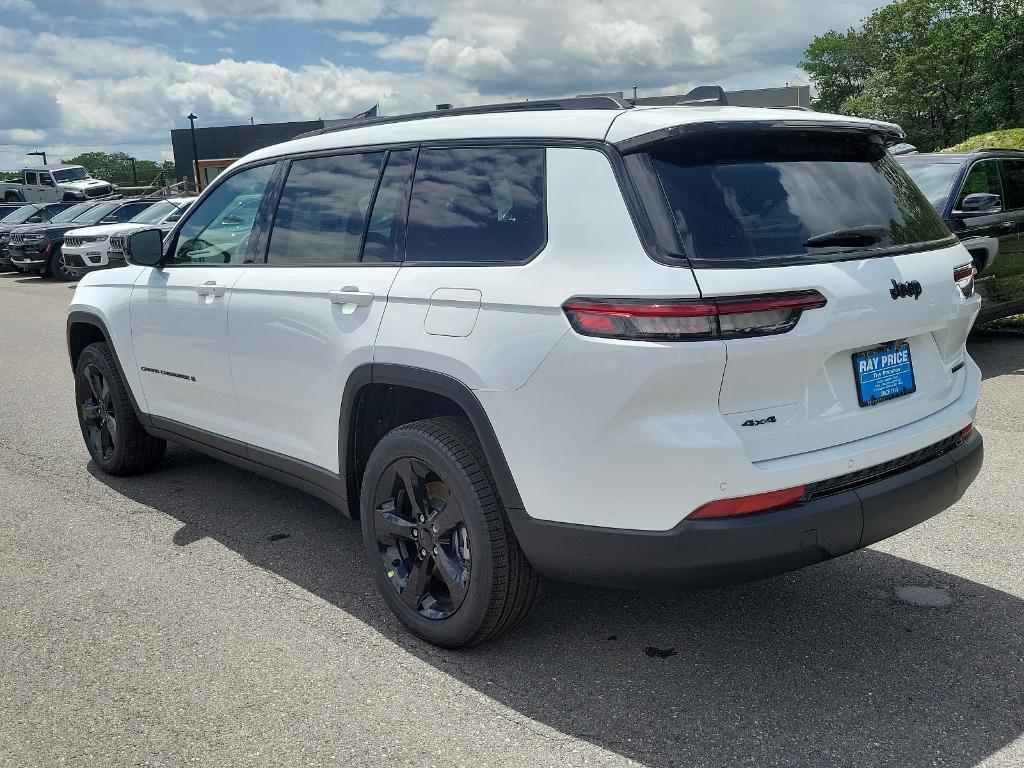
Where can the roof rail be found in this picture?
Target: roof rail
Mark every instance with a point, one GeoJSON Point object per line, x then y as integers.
{"type": "Point", "coordinates": [998, 149]}
{"type": "Point", "coordinates": [578, 102]}
{"type": "Point", "coordinates": [704, 95]}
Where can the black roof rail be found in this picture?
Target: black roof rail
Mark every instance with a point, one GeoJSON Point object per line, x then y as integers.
{"type": "Point", "coordinates": [1011, 150]}
{"type": "Point", "coordinates": [577, 102]}
{"type": "Point", "coordinates": [703, 95]}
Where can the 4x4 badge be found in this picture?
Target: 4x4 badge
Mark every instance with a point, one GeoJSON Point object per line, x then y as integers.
{"type": "Point", "coordinates": [758, 422]}
{"type": "Point", "coordinates": [902, 290]}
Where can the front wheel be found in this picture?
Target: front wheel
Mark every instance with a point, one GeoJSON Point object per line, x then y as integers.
{"type": "Point", "coordinates": [59, 268]}
{"type": "Point", "coordinates": [440, 546]}
{"type": "Point", "coordinates": [116, 439]}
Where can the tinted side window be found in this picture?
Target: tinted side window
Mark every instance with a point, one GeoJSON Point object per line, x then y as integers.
{"type": "Point", "coordinates": [386, 233]}
{"type": "Point", "coordinates": [323, 209]}
{"type": "Point", "coordinates": [983, 177]}
{"type": "Point", "coordinates": [30, 178]}
{"type": "Point", "coordinates": [1013, 183]}
{"type": "Point", "coordinates": [130, 211]}
{"type": "Point", "coordinates": [484, 204]}
{"type": "Point", "coordinates": [217, 232]}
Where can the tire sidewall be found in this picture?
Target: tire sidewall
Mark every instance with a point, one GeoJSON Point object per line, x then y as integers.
{"type": "Point", "coordinates": [56, 268]}
{"type": "Point", "coordinates": [89, 356]}
{"type": "Point", "coordinates": [464, 624]}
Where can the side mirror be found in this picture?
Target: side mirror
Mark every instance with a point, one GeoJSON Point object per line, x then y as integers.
{"type": "Point", "coordinates": [979, 204]}
{"type": "Point", "coordinates": [111, 219]}
{"type": "Point", "coordinates": [145, 248]}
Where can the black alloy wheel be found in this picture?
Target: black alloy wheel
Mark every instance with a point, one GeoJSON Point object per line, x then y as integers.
{"type": "Point", "coordinates": [59, 268]}
{"type": "Point", "coordinates": [422, 538]}
{"type": "Point", "coordinates": [99, 422]}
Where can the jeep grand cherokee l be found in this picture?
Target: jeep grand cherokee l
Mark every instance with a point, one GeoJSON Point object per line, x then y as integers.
{"type": "Point", "coordinates": [638, 346]}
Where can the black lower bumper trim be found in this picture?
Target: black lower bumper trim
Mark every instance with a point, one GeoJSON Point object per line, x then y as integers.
{"type": "Point", "coordinates": [707, 552]}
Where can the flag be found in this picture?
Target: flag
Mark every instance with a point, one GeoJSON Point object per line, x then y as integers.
{"type": "Point", "coordinates": [371, 112]}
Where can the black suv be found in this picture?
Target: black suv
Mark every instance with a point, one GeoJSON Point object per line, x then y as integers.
{"type": "Point", "coordinates": [38, 248]}
{"type": "Point", "coordinates": [981, 195]}
{"type": "Point", "coordinates": [30, 213]}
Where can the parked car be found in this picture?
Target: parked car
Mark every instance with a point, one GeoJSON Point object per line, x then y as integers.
{"type": "Point", "coordinates": [102, 246]}
{"type": "Point", "coordinates": [7, 208]}
{"type": "Point", "coordinates": [980, 196]}
{"type": "Point", "coordinates": [631, 346]}
{"type": "Point", "coordinates": [31, 213]}
{"type": "Point", "coordinates": [54, 183]}
{"type": "Point", "coordinates": [38, 248]}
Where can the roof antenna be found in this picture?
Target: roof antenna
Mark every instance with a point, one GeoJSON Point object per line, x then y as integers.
{"type": "Point", "coordinates": [704, 95]}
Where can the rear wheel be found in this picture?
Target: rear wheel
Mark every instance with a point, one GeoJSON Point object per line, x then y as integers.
{"type": "Point", "coordinates": [113, 434]}
{"type": "Point", "coordinates": [439, 544]}
{"type": "Point", "coordinates": [59, 268]}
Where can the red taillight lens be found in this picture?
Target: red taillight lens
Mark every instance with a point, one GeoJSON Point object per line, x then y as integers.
{"type": "Point", "coordinates": [722, 318]}
{"type": "Point", "coordinates": [963, 276]}
{"type": "Point", "coordinates": [966, 431]}
{"type": "Point", "coordinates": [748, 505]}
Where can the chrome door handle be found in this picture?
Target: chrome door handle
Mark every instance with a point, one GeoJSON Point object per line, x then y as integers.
{"type": "Point", "coordinates": [210, 288]}
{"type": "Point", "coordinates": [351, 295]}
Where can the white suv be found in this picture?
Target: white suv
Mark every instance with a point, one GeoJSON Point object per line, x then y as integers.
{"type": "Point", "coordinates": [638, 346]}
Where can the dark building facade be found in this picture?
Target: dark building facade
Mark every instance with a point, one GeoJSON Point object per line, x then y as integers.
{"type": "Point", "coordinates": [231, 142]}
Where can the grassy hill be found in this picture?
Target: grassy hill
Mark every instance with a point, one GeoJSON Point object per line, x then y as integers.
{"type": "Point", "coordinates": [1012, 138]}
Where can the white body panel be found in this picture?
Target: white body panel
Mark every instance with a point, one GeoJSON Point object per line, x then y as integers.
{"type": "Point", "coordinates": [181, 336]}
{"type": "Point", "coordinates": [292, 350]}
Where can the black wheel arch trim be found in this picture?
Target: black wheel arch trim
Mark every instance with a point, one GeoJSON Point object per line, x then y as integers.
{"type": "Point", "coordinates": [79, 317]}
{"type": "Point", "coordinates": [436, 383]}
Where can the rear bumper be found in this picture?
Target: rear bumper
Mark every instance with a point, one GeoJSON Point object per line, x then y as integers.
{"type": "Point", "coordinates": [707, 552]}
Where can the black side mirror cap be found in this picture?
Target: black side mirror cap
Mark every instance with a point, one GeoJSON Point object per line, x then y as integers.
{"type": "Point", "coordinates": [979, 204]}
{"type": "Point", "coordinates": [145, 248]}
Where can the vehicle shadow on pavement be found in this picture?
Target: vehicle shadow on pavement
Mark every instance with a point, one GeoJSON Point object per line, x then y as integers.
{"type": "Point", "coordinates": [825, 666]}
{"type": "Point", "coordinates": [997, 351]}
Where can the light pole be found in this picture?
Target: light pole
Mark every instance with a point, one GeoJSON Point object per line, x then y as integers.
{"type": "Point", "coordinates": [135, 175]}
{"type": "Point", "coordinates": [192, 117]}
{"type": "Point", "coordinates": [38, 153]}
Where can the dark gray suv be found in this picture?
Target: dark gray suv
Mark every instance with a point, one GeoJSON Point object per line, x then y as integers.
{"type": "Point", "coordinates": [981, 195]}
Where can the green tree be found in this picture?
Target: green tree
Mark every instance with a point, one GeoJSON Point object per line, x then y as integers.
{"type": "Point", "coordinates": [116, 168]}
{"type": "Point", "coordinates": [943, 69]}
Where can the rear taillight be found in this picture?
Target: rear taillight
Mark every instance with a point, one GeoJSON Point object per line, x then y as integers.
{"type": "Point", "coordinates": [963, 276]}
{"type": "Point", "coordinates": [966, 432]}
{"type": "Point", "coordinates": [748, 505]}
{"type": "Point", "coordinates": [690, 320]}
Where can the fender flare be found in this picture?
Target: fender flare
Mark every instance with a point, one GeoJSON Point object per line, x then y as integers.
{"type": "Point", "coordinates": [78, 317]}
{"type": "Point", "coordinates": [436, 383]}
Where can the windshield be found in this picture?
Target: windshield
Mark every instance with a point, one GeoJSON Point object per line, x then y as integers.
{"type": "Point", "coordinates": [93, 215]}
{"type": "Point", "coordinates": [155, 213]}
{"type": "Point", "coordinates": [69, 214]}
{"type": "Point", "coordinates": [71, 174]}
{"type": "Point", "coordinates": [19, 215]}
{"type": "Point", "coordinates": [791, 196]}
{"type": "Point", "coordinates": [934, 179]}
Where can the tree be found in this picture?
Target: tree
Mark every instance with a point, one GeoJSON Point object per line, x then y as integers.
{"type": "Point", "coordinates": [943, 69]}
{"type": "Point", "coordinates": [117, 168]}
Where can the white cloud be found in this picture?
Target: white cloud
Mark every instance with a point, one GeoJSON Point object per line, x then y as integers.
{"type": "Point", "coordinates": [351, 36]}
{"type": "Point", "coordinates": [226, 50]}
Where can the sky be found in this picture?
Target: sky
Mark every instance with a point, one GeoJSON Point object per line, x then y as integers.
{"type": "Point", "coordinates": [118, 75]}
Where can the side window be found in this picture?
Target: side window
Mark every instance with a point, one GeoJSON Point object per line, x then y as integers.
{"type": "Point", "coordinates": [130, 211]}
{"type": "Point", "coordinates": [484, 204]}
{"type": "Point", "coordinates": [385, 234]}
{"type": "Point", "coordinates": [217, 232]}
{"type": "Point", "coordinates": [323, 210]}
{"type": "Point", "coordinates": [1013, 184]}
{"type": "Point", "coordinates": [983, 177]}
{"type": "Point", "coordinates": [30, 178]}
{"type": "Point", "coordinates": [46, 180]}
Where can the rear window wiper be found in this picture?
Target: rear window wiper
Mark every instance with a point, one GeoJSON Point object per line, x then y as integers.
{"type": "Point", "coordinates": [868, 234]}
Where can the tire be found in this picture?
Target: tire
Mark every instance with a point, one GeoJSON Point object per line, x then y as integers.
{"type": "Point", "coordinates": [12, 197]}
{"type": "Point", "coordinates": [57, 269]}
{"type": "Point", "coordinates": [112, 432]}
{"type": "Point", "coordinates": [438, 461]}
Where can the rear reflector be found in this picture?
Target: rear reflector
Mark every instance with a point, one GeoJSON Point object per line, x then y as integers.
{"type": "Point", "coordinates": [689, 320]}
{"type": "Point", "coordinates": [963, 276]}
{"type": "Point", "coordinates": [748, 505]}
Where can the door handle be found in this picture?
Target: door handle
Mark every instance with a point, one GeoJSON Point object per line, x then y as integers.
{"type": "Point", "coordinates": [210, 288]}
{"type": "Point", "coordinates": [351, 295]}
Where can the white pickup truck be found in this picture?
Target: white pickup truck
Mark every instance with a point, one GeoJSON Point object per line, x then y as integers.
{"type": "Point", "coordinates": [56, 183]}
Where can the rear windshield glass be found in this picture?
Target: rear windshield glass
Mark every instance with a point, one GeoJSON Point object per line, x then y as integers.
{"type": "Point", "coordinates": [752, 196]}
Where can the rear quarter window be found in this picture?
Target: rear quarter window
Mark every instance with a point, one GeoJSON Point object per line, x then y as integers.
{"type": "Point", "coordinates": [477, 205]}
{"type": "Point", "coordinates": [742, 198]}
{"type": "Point", "coordinates": [1013, 184]}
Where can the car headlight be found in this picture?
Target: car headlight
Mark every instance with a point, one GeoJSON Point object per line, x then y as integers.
{"type": "Point", "coordinates": [96, 238]}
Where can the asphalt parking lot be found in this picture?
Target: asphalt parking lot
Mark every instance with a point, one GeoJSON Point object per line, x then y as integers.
{"type": "Point", "coordinates": [201, 615]}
